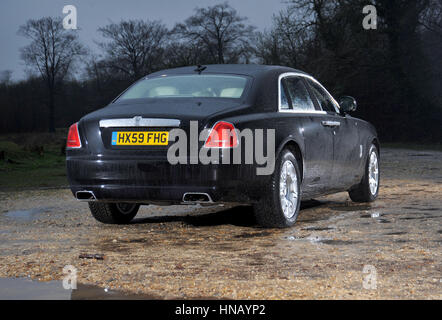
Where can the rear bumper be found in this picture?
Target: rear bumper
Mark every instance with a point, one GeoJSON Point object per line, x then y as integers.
{"type": "Point", "coordinates": [150, 181]}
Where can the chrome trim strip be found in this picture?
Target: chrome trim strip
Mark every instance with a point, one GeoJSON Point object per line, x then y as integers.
{"type": "Point", "coordinates": [298, 74]}
{"type": "Point", "coordinates": [331, 123]}
{"type": "Point", "coordinates": [139, 122]}
{"type": "Point", "coordinates": [303, 111]}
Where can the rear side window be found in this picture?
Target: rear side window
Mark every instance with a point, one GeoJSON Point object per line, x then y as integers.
{"type": "Point", "coordinates": [284, 101]}
{"type": "Point", "coordinates": [324, 99]}
{"type": "Point", "coordinates": [299, 95]}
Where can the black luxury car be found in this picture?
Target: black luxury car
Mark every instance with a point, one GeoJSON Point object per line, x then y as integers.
{"type": "Point", "coordinates": [268, 136]}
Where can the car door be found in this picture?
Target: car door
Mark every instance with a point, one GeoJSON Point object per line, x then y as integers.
{"type": "Point", "coordinates": [318, 140]}
{"type": "Point", "coordinates": [346, 147]}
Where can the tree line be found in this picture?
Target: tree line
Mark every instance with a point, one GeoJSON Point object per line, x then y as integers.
{"type": "Point", "coordinates": [394, 71]}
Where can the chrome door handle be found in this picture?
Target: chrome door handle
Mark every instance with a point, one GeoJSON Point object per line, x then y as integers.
{"type": "Point", "coordinates": [331, 123]}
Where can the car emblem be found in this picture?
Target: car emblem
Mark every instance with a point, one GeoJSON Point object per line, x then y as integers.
{"type": "Point", "coordinates": [137, 120]}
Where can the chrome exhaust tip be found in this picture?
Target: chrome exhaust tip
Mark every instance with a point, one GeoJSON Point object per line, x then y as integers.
{"type": "Point", "coordinates": [196, 197]}
{"type": "Point", "coordinates": [85, 196]}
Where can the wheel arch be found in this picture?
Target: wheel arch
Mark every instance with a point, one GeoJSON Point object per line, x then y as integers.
{"type": "Point", "coordinates": [294, 147]}
{"type": "Point", "coordinates": [375, 141]}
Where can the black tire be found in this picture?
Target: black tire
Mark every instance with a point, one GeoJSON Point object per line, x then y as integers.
{"type": "Point", "coordinates": [361, 192]}
{"type": "Point", "coordinates": [268, 212]}
{"type": "Point", "coordinates": [113, 213]}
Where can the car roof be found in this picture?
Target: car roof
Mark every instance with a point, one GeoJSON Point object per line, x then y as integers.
{"type": "Point", "coordinates": [253, 70]}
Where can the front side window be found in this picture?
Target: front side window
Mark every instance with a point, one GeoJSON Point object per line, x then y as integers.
{"type": "Point", "coordinates": [324, 99]}
{"type": "Point", "coordinates": [299, 95]}
{"type": "Point", "coordinates": [187, 86]}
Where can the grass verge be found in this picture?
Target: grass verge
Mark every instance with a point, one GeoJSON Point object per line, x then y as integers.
{"type": "Point", "coordinates": [412, 146]}
{"type": "Point", "coordinates": [32, 161]}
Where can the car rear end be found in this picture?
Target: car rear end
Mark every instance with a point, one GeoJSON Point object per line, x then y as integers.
{"type": "Point", "coordinates": [119, 154]}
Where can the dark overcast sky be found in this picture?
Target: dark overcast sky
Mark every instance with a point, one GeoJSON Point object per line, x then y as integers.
{"type": "Point", "coordinates": [92, 14]}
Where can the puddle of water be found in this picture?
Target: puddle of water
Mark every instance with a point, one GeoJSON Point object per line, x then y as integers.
{"type": "Point", "coordinates": [293, 238]}
{"type": "Point", "coordinates": [89, 292]}
{"type": "Point", "coordinates": [352, 208]}
{"type": "Point", "coordinates": [395, 233]}
{"type": "Point", "coordinates": [311, 238]}
{"type": "Point", "coordinates": [26, 214]}
{"type": "Point", "coordinates": [252, 235]}
{"type": "Point", "coordinates": [420, 155]}
{"type": "Point", "coordinates": [420, 209]}
{"type": "Point", "coordinates": [376, 216]}
{"type": "Point", "coordinates": [26, 289]}
{"type": "Point", "coordinates": [321, 240]}
{"type": "Point", "coordinates": [418, 218]}
{"type": "Point", "coordinates": [318, 229]}
{"type": "Point", "coordinates": [340, 242]}
{"type": "Point", "coordinates": [315, 239]}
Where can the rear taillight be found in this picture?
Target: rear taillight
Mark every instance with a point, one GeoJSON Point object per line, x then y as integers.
{"type": "Point", "coordinates": [73, 140]}
{"type": "Point", "coordinates": [222, 135]}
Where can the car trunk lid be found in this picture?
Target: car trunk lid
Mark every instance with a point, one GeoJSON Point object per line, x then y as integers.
{"type": "Point", "coordinates": [150, 116]}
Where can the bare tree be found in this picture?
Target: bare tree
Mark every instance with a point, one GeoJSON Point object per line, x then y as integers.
{"type": "Point", "coordinates": [431, 17]}
{"type": "Point", "coordinates": [179, 54]}
{"type": "Point", "coordinates": [294, 31]}
{"type": "Point", "coordinates": [269, 48]}
{"type": "Point", "coordinates": [5, 77]}
{"type": "Point", "coordinates": [292, 34]}
{"type": "Point", "coordinates": [221, 31]}
{"type": "Point", "coordinates": [52, 53]}
{"type": "Point", "coordinates": [135, 47]}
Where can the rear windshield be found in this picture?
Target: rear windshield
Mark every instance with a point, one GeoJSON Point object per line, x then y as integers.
{"type": "Point", "coordinates": [187, 86]}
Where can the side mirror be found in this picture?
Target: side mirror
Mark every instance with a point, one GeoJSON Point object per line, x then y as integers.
{"type": "Point", "coordinates": [348, 104]}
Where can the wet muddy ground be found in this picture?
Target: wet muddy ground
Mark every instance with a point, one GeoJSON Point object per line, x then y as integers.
{"type": "Point", "coordinates": [337, 249]}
